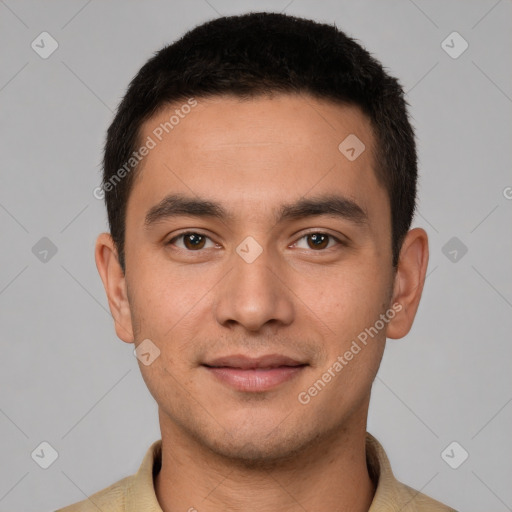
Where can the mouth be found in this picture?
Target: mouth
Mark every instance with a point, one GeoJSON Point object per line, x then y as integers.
{"type": "Point", "coordinates": [254, 374]}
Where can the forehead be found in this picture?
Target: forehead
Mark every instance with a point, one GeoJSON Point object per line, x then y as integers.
{"type": "Point", "coordinates": [298, 121]}
{"type": "Point", "coordinates": [258, 151]}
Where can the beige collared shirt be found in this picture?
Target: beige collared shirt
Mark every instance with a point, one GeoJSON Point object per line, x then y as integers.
{"type": "Point", "coordinates": [136, 493]}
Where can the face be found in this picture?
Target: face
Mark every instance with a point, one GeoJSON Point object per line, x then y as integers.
{"type": "Point", "coordinates": [258, 298]}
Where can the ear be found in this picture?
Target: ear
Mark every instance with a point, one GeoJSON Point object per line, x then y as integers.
{"type": "Point", "coordinates": [408, 282]}
{"type": "Point", "coordinates": [114, 281]}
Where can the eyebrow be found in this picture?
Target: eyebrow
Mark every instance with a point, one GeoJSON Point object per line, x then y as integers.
{"type": "Point", "coordinates": [176, 205]}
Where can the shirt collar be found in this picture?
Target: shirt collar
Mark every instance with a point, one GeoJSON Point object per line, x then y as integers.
{"type": "Point", "coordinates": [141, 494]}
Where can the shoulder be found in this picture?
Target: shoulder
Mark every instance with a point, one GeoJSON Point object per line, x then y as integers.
{"type": "Point", "coordinates": [133, 493]}
{"type": "Point", "coordinates": [415, 501]}
{"type": "Point", "coordinates": [390, 493]}
{"type": "Point", "coordinates": [110, 499]}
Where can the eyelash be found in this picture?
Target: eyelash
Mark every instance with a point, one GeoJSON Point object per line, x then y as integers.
{"type": "Point", "coordinates": [332, 237]}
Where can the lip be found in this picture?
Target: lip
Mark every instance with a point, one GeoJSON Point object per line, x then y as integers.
{"type": "Point", "coordinates": [243, 362]}
{"type": "Point", "coordinates": [254, 374]}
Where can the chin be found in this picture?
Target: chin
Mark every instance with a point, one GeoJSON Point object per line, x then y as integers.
{"type": "Point", "coordinates": [260, 449]}
{"type": "Point", "coordinates": [256, 456]}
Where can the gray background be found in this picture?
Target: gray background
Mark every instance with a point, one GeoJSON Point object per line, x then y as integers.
{"type": "Point", "coordinates": [65, 377]}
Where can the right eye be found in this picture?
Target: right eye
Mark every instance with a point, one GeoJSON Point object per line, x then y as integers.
{"type": "Point", "coordinates": [192, 241]}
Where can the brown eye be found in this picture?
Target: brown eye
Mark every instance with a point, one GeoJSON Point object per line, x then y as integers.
{"type": "Point", "coordinates": [191, 241]}
{"type": "Point", "coordinates": [318, 240]}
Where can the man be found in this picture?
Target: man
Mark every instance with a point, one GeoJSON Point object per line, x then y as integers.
{"type": "Point", "coordinates": [260, 182]}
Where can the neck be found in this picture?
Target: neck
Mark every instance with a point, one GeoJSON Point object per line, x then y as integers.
{"type": "Point", "coordinates": [331, 475]}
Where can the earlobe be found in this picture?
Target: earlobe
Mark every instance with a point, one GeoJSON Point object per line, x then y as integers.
{"type": "Point", "coordinates": [409, 281]}
{"type": "Point", "coordinates": [114, 281]}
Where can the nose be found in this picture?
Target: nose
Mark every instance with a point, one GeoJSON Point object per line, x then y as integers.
{"type": "Point", "coordinates": [254, 294]}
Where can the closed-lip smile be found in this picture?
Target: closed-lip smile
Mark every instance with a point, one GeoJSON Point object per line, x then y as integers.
{"type": "Point", "coordinates": [250, 374]}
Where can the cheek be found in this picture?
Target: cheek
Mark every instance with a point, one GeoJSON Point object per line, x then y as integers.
{"type": "Point", "coordinates": [168, 314]}
{"type": "Point", "coordinates": [171, 310]}
{"type": "Point", "coordinates": [166, 298]}
{"type": "Point", "coordinates": [350, 299]}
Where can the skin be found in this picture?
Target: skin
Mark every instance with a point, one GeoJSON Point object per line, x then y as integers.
{"type": "Point", "coordinates": [230, 450]}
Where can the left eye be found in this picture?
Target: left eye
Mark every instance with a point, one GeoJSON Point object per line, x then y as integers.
{"type": "Point", "coordinates": [318, 241]}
